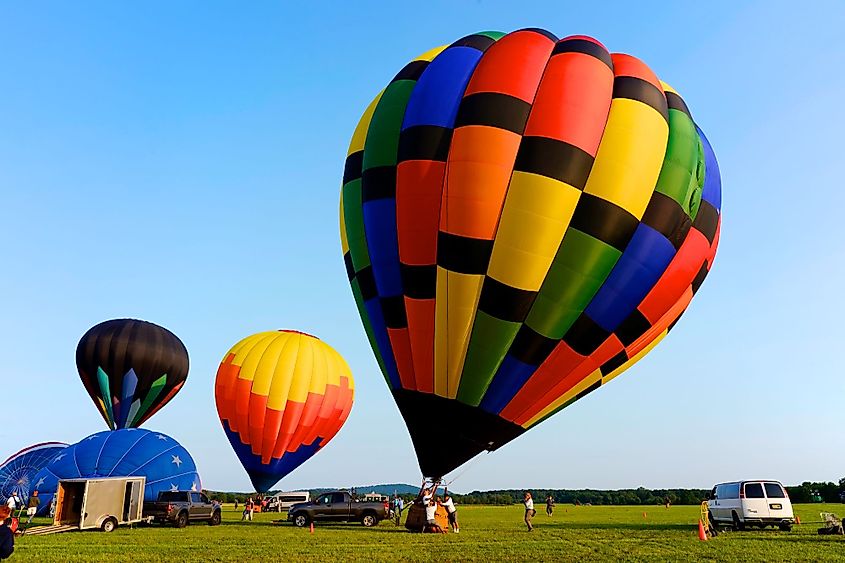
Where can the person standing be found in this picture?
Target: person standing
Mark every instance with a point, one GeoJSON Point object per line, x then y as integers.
{"type": "Point", "coordinates": [32, 507]}
{"type": "Point", "coordinates": [248, 508]}
{"type": "Point", "coordinates": [451, 512]}
{"type": "Point", "coordinates": [550, 505]}
{"type": "Point", "coordinates": [236, 505]}
{"type": "Point", "coordinates": [12, 501]}
{"type": "Point", "coordinates": [7, 537]}
{"type": "Point", "coordinates": [529, 510]}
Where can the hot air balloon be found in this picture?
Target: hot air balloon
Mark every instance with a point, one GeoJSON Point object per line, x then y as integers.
{"type": "Point", "coordinates": [281, 396]}
{"type": "Point", "coordinates": [17, 473]}
{"type": "Point", "coordinates": [522, 219]}
{"type": "Point", "coordinates": [131, 369]}
{"type": "Point", "coordinates": [122, 453]}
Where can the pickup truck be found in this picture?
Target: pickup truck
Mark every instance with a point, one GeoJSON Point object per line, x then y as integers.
{"type": "Point", "coordinates": [338, 506]}
{"type": "Point", "coordinates": [181, 507]}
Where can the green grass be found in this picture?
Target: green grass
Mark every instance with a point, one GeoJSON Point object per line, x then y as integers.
{"type": "Point", "coordinates": [488, 533]}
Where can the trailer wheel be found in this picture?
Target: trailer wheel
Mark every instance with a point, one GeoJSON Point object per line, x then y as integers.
{"type": "Point", "coordinates": [215, 519]}
{"type": "Point", "coordinates": [182, 519]}
{"type": "Point", "coordinates": [109, 524]}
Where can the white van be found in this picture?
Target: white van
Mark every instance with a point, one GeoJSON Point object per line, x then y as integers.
{"type": "Point", "coordinates": [280, 502]}
{"type": "Point", "coordinates": [751, 503]}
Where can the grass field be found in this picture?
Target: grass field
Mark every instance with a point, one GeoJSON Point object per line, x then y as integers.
{"type": "Point", "coordinates": [488, 533]}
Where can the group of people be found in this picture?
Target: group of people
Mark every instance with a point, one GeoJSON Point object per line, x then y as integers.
{"type": "Point", "coordinates": [529, 508]}
{"type": "Point", "coordinates": [249, 508]}
{"type": "Point", "coordinates": [431, 502]}
{"type": "Point", "coordinates": [13, 503]}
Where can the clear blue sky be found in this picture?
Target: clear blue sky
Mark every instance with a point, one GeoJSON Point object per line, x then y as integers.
{"type": "Point", "coordinates": [180, 162]}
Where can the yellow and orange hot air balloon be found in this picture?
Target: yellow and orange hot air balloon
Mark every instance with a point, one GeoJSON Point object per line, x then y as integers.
{"type": "Point", "coordinates": [281, 396]}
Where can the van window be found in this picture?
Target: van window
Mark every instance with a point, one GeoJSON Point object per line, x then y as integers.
{"type": "Point", "coordinates": [294, 498]}
{"type": "Point", "coordinates": [728, 490]}
{"type": "Point", "coordinates": [774, 490]}
{"type": "Point", "coordinates": [754, 490]}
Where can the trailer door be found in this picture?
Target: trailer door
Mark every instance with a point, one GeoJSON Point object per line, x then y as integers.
{"type": "Point", "coordinates": [132, 502]}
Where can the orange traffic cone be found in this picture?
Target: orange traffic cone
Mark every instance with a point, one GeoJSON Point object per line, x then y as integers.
{"type": "Point", "coordinates": [702, 535]}
{"type": "Point", "coordinates": [312, 527]}
{"type": "Point", "coordinates": [645, 515]}
{"type": "Point", "coordinates": [797, 519]}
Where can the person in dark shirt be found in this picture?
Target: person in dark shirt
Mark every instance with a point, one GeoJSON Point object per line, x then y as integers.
{"type": "Point", "coordinates": [32, 507]}
{"type": "Point", "coordinates": [7, 538]}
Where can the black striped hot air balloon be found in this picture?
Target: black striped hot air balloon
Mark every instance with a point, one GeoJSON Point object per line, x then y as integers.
{"type": "Point", "coordinates": [523, 218]}
{"type": "Point", "coordinates": [131, 369]}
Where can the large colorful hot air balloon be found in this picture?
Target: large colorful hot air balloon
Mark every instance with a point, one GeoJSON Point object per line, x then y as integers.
{"type": "Point", "coordinates": [131, 369]}
{"type": "Point", "coordinates": [17, 473]}
{"type": "Point", "coordinates": [522, 218]}
{"type": "Point", "coordinates": [281, 396]}
{"type": "Point", "coordinates": [122, 453]}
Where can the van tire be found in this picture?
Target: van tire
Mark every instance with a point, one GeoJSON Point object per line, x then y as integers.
{"type": "Point", "coordinates": [738, 525]}
{"type": "Point", "coordinates": [785, 527]}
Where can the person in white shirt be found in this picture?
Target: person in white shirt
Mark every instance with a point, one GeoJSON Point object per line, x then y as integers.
{"type": "Point", "coordinates": [451, 512]}
{"type": "Point", "coordinates": [431, 525]}
{"type": "Point", "coordinates": [12, 501]}
{"type": "Point", "coordinates": [529, 510]}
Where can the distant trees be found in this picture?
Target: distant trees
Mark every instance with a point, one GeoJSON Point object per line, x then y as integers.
{"type": "Point", "coordinates": [639, 496]}
{"type": "Point", "coordinates": [816, 492]}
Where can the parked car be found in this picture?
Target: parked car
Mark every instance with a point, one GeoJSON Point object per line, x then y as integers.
{"type": "Point", "coordinates": [751, 503]}
{"type": "Point", "coordinates": [283, 501]}
{"type": "Point", "coordinates": [181, 507]}
{"type": "Point", "coordinates": [338, 506]}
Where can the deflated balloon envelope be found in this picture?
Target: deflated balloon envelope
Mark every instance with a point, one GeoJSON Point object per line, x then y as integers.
{"type": "Point", "coordinates": [17, 474]}
{"type": "Point", "coordinates": [281, 396]}
{"type": "Point", "coordinates": [522, 218]}
{"type": "Point", "coordinates": [131, 369]}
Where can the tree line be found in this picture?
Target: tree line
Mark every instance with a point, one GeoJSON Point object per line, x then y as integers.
{"type": "Point", "coordinates": [806, 492]}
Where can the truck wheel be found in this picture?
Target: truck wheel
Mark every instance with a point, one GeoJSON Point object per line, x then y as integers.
{"type": "Point", "coordinates": [785, 527]}
{"type": "Point", "coordinates": [300, 520]}
{"type": "Point", "coordinates": [181, 520]}
{"type": "Point", "coordinates": [109, 524]}
{"type": "Point", "coordinates": [215, 519]}
{"type": "Point", "coordinates": [369, 520]}
{"type": "Point", "coordinates": [737, 524]}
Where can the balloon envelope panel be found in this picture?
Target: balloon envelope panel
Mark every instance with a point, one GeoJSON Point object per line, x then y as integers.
{"type": "Point", "coordinates": [131, 369]}
{"type": "Point", "coordinates": [17, 474]}
{"type": "Point", "coordinates": [281, 396]}
{"type": "Point", "coordinates": [122, 453]}
{"type": "Point", "coordinates": [522, 217]}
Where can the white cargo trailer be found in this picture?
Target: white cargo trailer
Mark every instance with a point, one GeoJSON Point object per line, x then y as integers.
{"type": "Point", "coordinates": [104, 503]}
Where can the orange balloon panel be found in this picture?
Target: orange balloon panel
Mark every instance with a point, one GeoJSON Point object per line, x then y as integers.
{"type": "Point", "coordinates": [281, 396]}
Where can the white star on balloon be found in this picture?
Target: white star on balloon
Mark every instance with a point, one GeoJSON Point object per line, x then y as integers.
{"type": "Point", "coordinates": [194, 486]}
{"type": "Point", "coordinates": [173, 488]}
{"type": "Point", "coordinates": [161, 437]}
{"type": "Point", "coordinates": [176, 460]}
